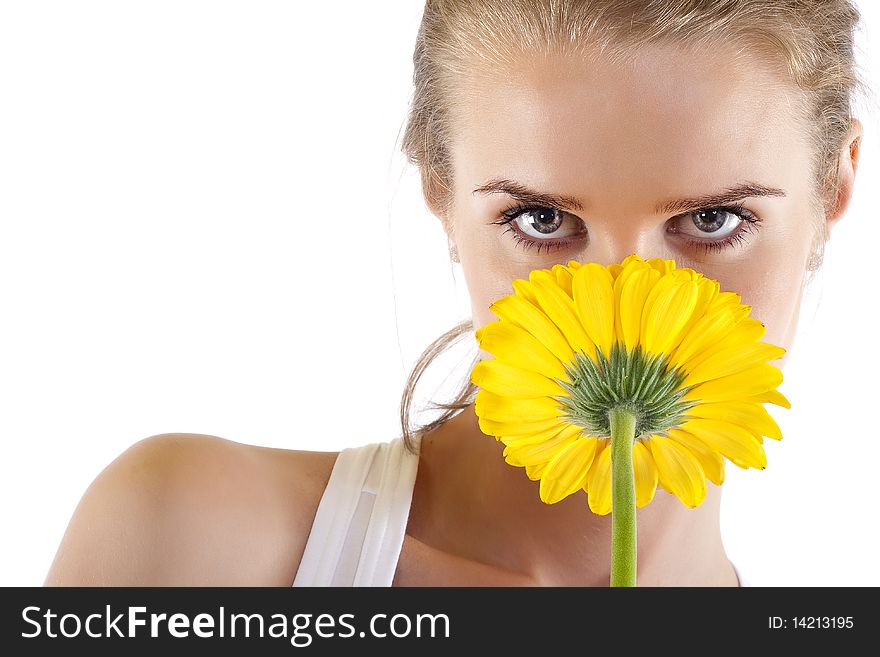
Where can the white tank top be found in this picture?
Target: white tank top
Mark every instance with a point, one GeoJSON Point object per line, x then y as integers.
{"type": "Point", "coordinates": [361, 520]}
{"type": "Point", "coordinates": [358, 530]}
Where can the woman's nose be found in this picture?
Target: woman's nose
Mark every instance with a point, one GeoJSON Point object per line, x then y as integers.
{"type": "Point", "coordinates": [608, 246]}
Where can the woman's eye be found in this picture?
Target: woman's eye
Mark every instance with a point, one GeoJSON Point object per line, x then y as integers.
{"type": "Point", "coordinates": [542, 224]}
{"type": "Point", "coordinates": [541, 227]}
{"type": "Point", "coordinates": [712, 224]}
{"type": "Point", "coordinates": [716, 229]}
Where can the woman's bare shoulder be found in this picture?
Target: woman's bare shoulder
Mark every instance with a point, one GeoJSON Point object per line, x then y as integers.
{"type": "Point", "coordinates": [192, 509]}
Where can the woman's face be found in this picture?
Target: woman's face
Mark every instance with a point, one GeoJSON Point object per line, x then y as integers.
{"type": "Point", "coordinates": [684, 156]}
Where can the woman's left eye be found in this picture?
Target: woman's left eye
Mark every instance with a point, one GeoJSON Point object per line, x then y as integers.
{"type": "Point", "coordinates": [713, 229]}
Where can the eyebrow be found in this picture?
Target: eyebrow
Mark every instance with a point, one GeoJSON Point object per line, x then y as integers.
{"type": "Point", "coordinates": [525, 195]}
{"type": "Point", "coordinates": [724, 197]}
{"type": "Point", "coordinates": [729, 195]}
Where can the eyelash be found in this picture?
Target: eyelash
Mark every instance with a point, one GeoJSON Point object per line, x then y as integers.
{"type": "Point", "coordinates": [749, 224]}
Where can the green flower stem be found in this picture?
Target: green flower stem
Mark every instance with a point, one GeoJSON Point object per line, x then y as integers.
{"type": "Point", "coordinates": [623, 497]}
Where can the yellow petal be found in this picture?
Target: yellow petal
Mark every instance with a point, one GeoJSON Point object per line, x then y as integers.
{"type": "Point", "coordinates": [515, 309]}
{"type": "Point", "coordinates": [770, 397]}
{"type": "Point", "coordinates": [733, 387]}
{"type": "Point", "coordinates": [599, 479]}
{"type": "Point", "coordinates": [709, 330]}
{"type": "Point", "coordinates": [505, 409]}
{"type": "Point", "coordinates": [663, 284]}
{"type": "Point", "coordinates": [534, 472]}
{"type": "Point", "coordinates": [663, 319]}
{"type": "Point", "coordinates": [560, 309]}
{"type": "Point", "coordinates": [527, 440]}
{"type": "Point", "coordinates": [573, 264]}
{"type": "Point", "coordinates": [679, 470]}
{"type": "Point", "coordinates": [543, 451]}
{"type": "Point", "coordinates": [686, 274]}
{"type": "Point", "coordinates": [645, 474]}
{"type": "Point", "coordinates": [750, 415]}
{"type": "Point", "coordinates": [513, 428]}
{"type": "Point", "coordinates": [747, 332]}
{"type": "Point", "coordinates": [524, 289]}
{"type": "Point", "coordinates": [731, 440]}
{"type": "Point", "coordinates": [563, 278]}
{"type": "Point", "coordinates": [711, 461]}
{"type": "Point", "coordinates": [632, 257]}
{"type": "Point", "coordinates": [506, 379]}
{"type": "Point", "coordinates": [731, 360]}
{"type": "Point", "coordinates": [627, 268]}
{"type": "Point", "coordinates": [730, 299]}
{"type": "Point", "coordinates": [514, 344]}
{"type": "Point", "coordinates": [593, 291]}
{"type": "Point", "coordinates": [567, 472]}
{"type": "Point", "coordinates": [663, 266]}
{"type": "Point", "coordinates": [707, 292]}
{"type": "Point", "coordinates": [631, 289]}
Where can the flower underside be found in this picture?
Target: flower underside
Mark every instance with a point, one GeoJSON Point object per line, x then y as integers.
{"type": "Point", "coordinates": [660, 352]}
{"type": "Point", "coordinates": [640, 382]}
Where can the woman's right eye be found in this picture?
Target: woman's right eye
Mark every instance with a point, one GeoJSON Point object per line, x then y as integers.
{"type": "Point", "coordinates": [542, 226]}
{"type": "Point", "coordinates": [544, 222]}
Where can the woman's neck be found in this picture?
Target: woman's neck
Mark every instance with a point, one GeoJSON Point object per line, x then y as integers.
{"type": "Point", "coordinates": [483, 509]}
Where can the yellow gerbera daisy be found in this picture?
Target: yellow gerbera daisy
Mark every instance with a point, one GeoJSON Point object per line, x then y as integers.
{"type": "Point", "coordinates": [581, 346]}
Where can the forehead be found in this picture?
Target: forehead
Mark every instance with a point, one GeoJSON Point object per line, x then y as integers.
{"type": "Point", "coordinates": [667, 119]}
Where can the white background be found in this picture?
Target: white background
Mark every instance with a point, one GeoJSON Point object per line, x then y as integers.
{"type": "Point", "coordinates": [207, 228]}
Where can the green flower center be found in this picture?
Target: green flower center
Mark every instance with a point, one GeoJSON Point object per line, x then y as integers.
{"type": "Point", "coordinates": [641, 382]}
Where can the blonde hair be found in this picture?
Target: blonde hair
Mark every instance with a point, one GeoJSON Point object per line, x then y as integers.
{"type": "Point", "coordinates": [809, 42]}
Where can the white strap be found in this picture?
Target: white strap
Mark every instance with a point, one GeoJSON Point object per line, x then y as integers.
{"type": "Point", "coordinates": [358, 531]}
{"type": "Point", "coordinates": [743, 580]}
{"type": "Point", "coordinates": [392, 490]}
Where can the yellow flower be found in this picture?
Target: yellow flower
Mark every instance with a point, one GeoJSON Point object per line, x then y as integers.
{"type": "Point", "coordinates": [665, 344]}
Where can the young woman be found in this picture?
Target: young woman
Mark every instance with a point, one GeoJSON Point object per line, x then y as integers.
{"type": "Point", "coordinates": [715, 133]}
